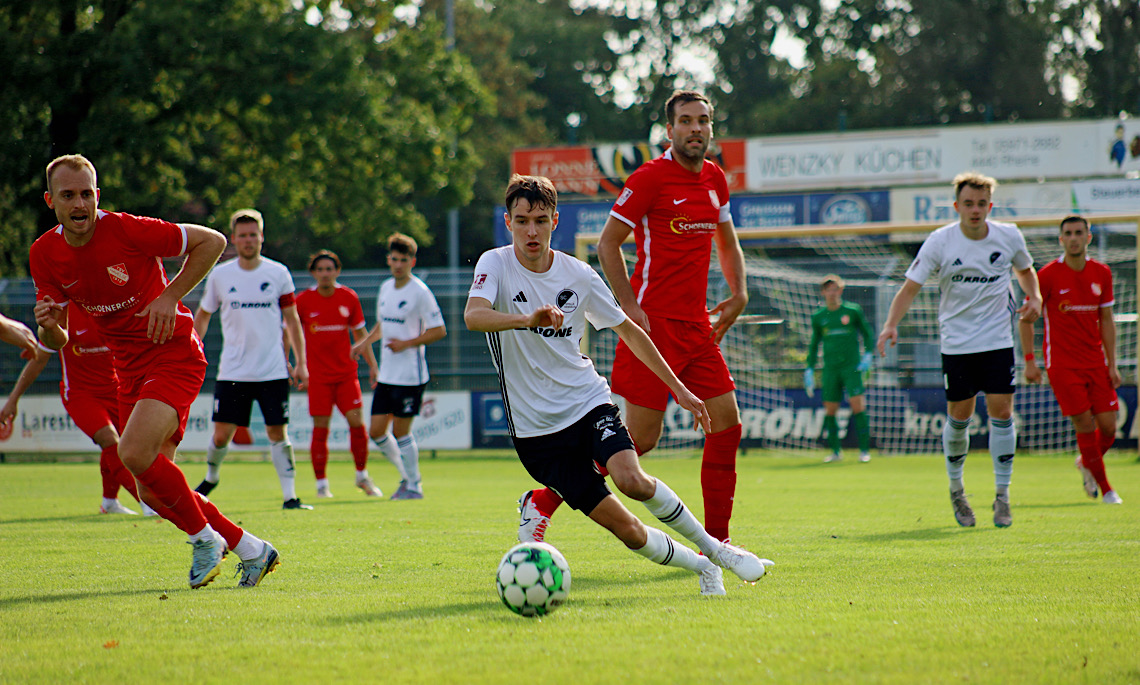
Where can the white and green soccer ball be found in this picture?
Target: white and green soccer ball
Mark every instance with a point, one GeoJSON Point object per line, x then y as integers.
{"type": "Point", "coordinates": [533, 579]}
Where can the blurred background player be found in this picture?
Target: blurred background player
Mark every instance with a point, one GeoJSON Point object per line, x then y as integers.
{"type": "Point", "coordinates": [408, 319]}
{"type": "Point", "coordinates": [1079, 349]}
{"type": "Point", "coordinates": [329, 312]}
{"type": "Point", "coordinates": [534, 304]}
{"type": "Point", "coordinates": [89, 389]}
{"type": "Point", "coordinates": [839, 325]}
{"type": "Point", "coordinates": [667, 296]}
{"type": "Point", "coordinates": [254, 294]}
{"type": "Point", "coordinates": [109, 264]}
{"type": "Point", "coordinates": [973, 258]}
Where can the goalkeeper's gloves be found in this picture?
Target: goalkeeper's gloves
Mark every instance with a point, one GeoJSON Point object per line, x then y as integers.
{"type": "Point", "coordinates": [864, 363]}
{"type": "Point", "coordinates": [809, 382]}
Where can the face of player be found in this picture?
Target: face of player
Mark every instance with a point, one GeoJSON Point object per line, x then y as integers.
{"type": "Point", "coordinates": [247, 239]}
{"type": "Point", "coordinates": [75, 199]}
{"type": "Point", "coordinates": [530, 228]}
{"type": "Point", "coordinates": [1075, 238]}
{"type": "Point", "coordinates": [832, 295]}
{"type": "Point", "coordinates": [325, 273]}
{"type": "Point", "coordinates": [400, 265]}
{"type": "Point", "coordinates": [690, 131]}
{"type": "Point", "coordinates": [973, 206]}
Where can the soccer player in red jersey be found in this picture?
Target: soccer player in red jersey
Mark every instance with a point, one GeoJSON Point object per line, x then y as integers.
{"type": "Point", "coordinates": [110, 265]}
{"type": "Point", "coordinates": [89, 389]}
{"type": "Point", "coordinates": [329, 311]}
{"type": "Point", "coordinates": [1079, 350]}
{"type": "Point", "coordinates": [677, 207]}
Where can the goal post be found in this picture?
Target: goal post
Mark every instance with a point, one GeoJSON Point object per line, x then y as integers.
{"type": "Point", "coordinates": [767, 348]}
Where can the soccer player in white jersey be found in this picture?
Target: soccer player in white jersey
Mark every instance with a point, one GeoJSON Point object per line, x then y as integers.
{"type": "Point", "coordinates": [254, 295]}
{"type": "Point", "coordinates": [973, 259]}
{"type": "Point", "coordinates": [533, 303]}
{"type": "Point", "coordinates": [409, 319]}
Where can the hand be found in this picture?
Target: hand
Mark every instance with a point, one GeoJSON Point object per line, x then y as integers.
{"type": "Point", "coordinates": [1030, 311]}
{"type": "Point", "coordinates": [727, 312]}
{"type": "Point", "coordinates": [637, 315]}
{"type": "Point", "coordinates": [8, 412]}
{"type": "Point", "coordinates": [300, 376]}
{"type": "Point", "coordinates": [162, 314]}
{"type": "Point", "coordinates": [398, 345]}
{"type": "Point", "coordinates": [809, 382]}
{"type": "Point", "coordinates": [546, 316]}
{"type": "Point", "coordinates": [1114, 376]}
{"type": "Point", "coordinates": [358, 349]}
{"type": "Point", "coordinates": [890, 335]}
{"type": "Point", "coordinates": [1032, 372]}
{"type": "Point", "coordinates": [48, 314]}
{"type": "Point", "coordinates": [373, 376]}
{"type": "Point", "coordinates": [691, 403]}
{"type": "Point", "coordinates": [16, 333]}
{"type": "Point", "coordinates": [864, 363]}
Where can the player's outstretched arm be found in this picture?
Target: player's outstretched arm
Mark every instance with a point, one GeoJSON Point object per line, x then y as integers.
{"type": "Point", "coordinates": [613, 235]}
{"type": "Point", "coordinates": [32, 370]}
{"type": "Point", "coordinates": [296, 339]}
{"type": "Point", "coordinates": [899, 307]}
{"type": "Point", "coordinates": [1031, 310]}
{"type": "Point", "coordinates": [640, 344]}
{"type": "Point", "coordinates": [429, 336]}
{"type": "Point", "coordinates": [16, 333]}
{"type": "Point", "coordinates": [480, 316]}
{"type": "Point", "coordinates": [731, 259]}
{"type": "Point", "coordinates": [203, 247]}
{"type": "Point", "coordinates": [1025, 332]}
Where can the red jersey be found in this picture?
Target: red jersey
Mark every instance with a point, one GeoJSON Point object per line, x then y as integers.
{"type": "Point", "coordinates": [1073, 303]}
{"type": "Point", "coordinates": [88, 366]}
{"type": "Point", "coordinates": [327, 322]}
{"type": "Point", "coordinates": [674, 214]}
{"type": "Point", "coordinates": [112, 278]}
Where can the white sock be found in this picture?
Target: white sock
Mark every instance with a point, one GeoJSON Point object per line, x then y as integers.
{"type": "Point", "coordinates": [670, 510]}
{"type": "Point", "coordinates": [387, 445]}
{"type": "Point", "coordinates": [206, 533]}
{"type": "Point", "coordinates": [1003, 442]}
{"type": "Point", "coordinates": [361, 474]}
{"type": "Point", "coordinates": [109, 502]}
{"type": "Point", "coordinates": [410, 454]}
{"type": "Point", "coordinates": [249, 547]}
{"type": "Point", "coordinates": [214, 457]}
{"type": "Point", "coordinates": [661, 549]}
{"type": "Point", "coordinates": [322, 483]}
{"type": "Point", "coordinates": [282, 453]}
{"type": "Point", "coordinates": [955, 445]}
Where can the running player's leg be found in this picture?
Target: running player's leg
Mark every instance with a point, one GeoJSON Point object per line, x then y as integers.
{"type": "Point", "coordinates": [233, 404]}
{"type": "Point", "coordinates": [853, 381]}
{"type": "Point", "coordinates": [320, 410]}
{"type": "Point", "coordinates": [383, 404]}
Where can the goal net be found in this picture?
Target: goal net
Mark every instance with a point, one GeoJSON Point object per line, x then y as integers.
{"type": "Point", "coordinates": [767, 349]}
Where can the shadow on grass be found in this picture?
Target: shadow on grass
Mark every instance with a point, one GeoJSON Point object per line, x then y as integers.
{"type": "Point", "coordinates": [14, 602]}
{"type": "Point", "coordinates": [914, 535]}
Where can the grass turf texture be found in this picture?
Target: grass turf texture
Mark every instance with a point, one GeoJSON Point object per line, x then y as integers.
{"type": "Point", "coordinates": [874, 582]}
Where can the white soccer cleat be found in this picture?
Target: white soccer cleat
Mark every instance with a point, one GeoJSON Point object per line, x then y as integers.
{"type": "Point", "coordinates": [116, 507]}
{"type": "Point", "coordinates": [712, 581]}
{"type": "Point", "coordinates": [146, 510]}
{"type": "Point", "coordinates": [207, 558]}
{"type": "Point", "coordinates": [1086, 476]}
{"type": "Point", "coordinates": [746, 565]}
{"type": "Point", "coordinates": [831, 458]}
{"type": "Point", "coordinates": [1111, 497]}
{"type": "Point", "coordinates": [253, 571]}
{"type": "Point", "coordinates": [864, 457]}
{"type": "Point", "coordinates": [324, 492]}
{"type": "Point", "coordinates": [368, 487]}
{"type": "Point", "coordinates": [532, 522]}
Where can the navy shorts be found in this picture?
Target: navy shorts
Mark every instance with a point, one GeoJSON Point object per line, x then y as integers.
{"type": "Point", "coordinates": [398, 400]}
{"type": "Point", "coordinates": [966, 375]}
{"type": "Point", "coordinates": [233, 401]}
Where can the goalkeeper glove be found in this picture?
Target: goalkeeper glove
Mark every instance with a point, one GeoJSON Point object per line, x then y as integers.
{"type": "Point", "coordinates": [864, 363]}
{"type": "Point", "coordinates": [809, 382]}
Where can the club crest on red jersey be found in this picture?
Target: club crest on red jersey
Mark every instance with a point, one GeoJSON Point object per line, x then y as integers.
{"type": "Point", "coordinates": [118, 274]}
{"type": "Point", "coordinates": [343, 311]}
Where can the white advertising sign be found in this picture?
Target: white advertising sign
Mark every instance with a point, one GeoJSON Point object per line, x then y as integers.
{"type": "Point", "coordinates": [936, 203]}
{"type": "Point", "coordinates": [1122, 195]}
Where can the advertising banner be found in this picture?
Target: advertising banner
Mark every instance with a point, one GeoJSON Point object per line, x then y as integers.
{"type": "Point", "coordinates": [936, 203]}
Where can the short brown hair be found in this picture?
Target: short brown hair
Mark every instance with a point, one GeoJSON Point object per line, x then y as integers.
{"type": "Point", "coordinates": [1074, 217]}
{"type": "Point", "coordinates": [323, 254]}
{"type": "Point", "coordinates": [539, 191]}
{"type": "Point", "coordinates": [246, 216]}
{"type": "Point", "coordinates": [403, 244]}
{"type": "Point", "coordinates": [681, 97]}
{"type": "Point", "coordinates": [73, 162]}
{"type": "Point", "coordinates": [974, 180]}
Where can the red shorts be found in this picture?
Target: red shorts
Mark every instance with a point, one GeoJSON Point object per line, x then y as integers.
{"type": "Point", "coordinates": [344, 394]}
{"type": "Point", "coordinates": [1081, 390]}
{"type": "Point", "coordinates": [173, 378]}
{"type": "Point", "coordinates": [688, 349]}
{"type": "Point", "coordinates": [93, 412]}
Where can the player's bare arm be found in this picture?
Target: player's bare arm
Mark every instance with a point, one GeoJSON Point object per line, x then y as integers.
{"type": "Point", "coordinates": [899, 307]}
{"type": "Point", "coordinates": [731, 259]}
{"type": "Point", "coordinates": [203, 247]}
{"type": "Point", "coordinates": [296, 338]}
{"type": "Point", "coordinates": [613, 266]}
{"type": "Point", "coordinates": [480, 316]}
{"type": "Point", "coordinates": [16, 333]}
{"type": "Point", "coordinates": [1031, 310]}
{"type": "Point", "coordinates": [28, 375]}
{"type": "Point", "coordinates": [201, 322]}
{"type": "Point", "coordinates": [641, 346]}
{"type": "Point", "coordinates": [362, 348]}
{"type": "Point", "coordinates": [1025, 332]}
{"type": "Point", "coordinates": [1108, 339]}
{"type": "Point", "coordinates": [51, 317]}
{"type": "Point", "coordinates": [426, 338]}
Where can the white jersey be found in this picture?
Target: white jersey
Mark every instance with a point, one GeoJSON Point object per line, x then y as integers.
{"type": "Point", "coordinates": [405, 313]}
{"type": "Point", "coordinates": [249, 300]}
{"type": "Point", "coordinates": [976, 307]}
{"type": "Point", "coordinates": [547, 383]}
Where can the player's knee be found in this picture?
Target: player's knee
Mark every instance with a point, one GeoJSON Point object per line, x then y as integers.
{"type": "Point", "coordinates": [630, 531]}
{"type": "Point", "coordinates": [634, 483]}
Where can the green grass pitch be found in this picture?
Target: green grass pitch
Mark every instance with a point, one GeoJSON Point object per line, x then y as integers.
{"type": "Point", "coordinates": [874, 582]}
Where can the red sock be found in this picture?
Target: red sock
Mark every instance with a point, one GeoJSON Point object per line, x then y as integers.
{"type": "Point", "coordinates": [148, 497]}
{"type": "Point", "coordinates": [1105, 440]}
{"type": "Point", "coordinates": [718, 479]}
{"type": "Point", "coordinates": [221, 525]}
{"type": "Point", "coordinates": [358, 443]}
{"type": "Point", "coordinates": [319, 451]}
{"type": "Point", "coordinates": [172, 493]}
{"type": "Point", "coordinates": [1091, 457]}
{"type": "Point", "coordinates": [546, 501]}
{"type": "Point", "coordinates": [122, 476]}
{"type": "Point", "coordinates": [108, 465]}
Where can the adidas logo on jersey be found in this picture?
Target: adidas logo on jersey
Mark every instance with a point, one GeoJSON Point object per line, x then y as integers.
{"type": "Point", "coordinates": [233, 289]}
{"type": "Point", "coordinates": [520, 297]}
{"type": "Point", "coordinates": [957, 262]}
{"type": "Point", "coordinates": [607, 433]}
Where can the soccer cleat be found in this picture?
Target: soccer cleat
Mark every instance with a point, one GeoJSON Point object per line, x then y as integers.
{"type": "Point", "coordinates": [1111, 497]}
{"type": "Point", "coordinates": [833, 457]}
{"type": "Point", "coordinates": [205, 487]}
{"type": "Point", "coordinates": [253, 571]}
{"type": "Point", "coordinates": [963, 514]}
{"type": "Point", "coordinates": [295, 503]}
{"type": "Point", "coordinates": [369, 487]}
{"type": "Point", "coordinates": [712, 581]}
{"type": "Point", "coordinates": [401, 490]}
{"type": "Point", "coordinates": [207, 557]}
{"type": "Point", "coordinates": [1087, 477]}
{"type": "Point", "coordinates": [116, 507]}
{"type": "Point", "coordinates": [1002, 517]}
{"type": "Point", "coordinates": [324, 492]}
{"type": "Point", "coordinates": [746, 565]}
{"type": "Point", "coordinates": [532, 522]}
{"type": "Point", "coordinates": [411, 494]}
{"type": "Point", "coordinates": [864, 457]}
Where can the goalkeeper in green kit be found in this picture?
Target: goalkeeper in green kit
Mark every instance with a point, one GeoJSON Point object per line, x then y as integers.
{"type": "Point", "coordinates": [839, 325]}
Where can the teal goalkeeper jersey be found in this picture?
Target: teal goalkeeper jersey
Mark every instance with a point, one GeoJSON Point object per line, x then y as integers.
{"type": "Point", "coordinates": [839, 332]}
